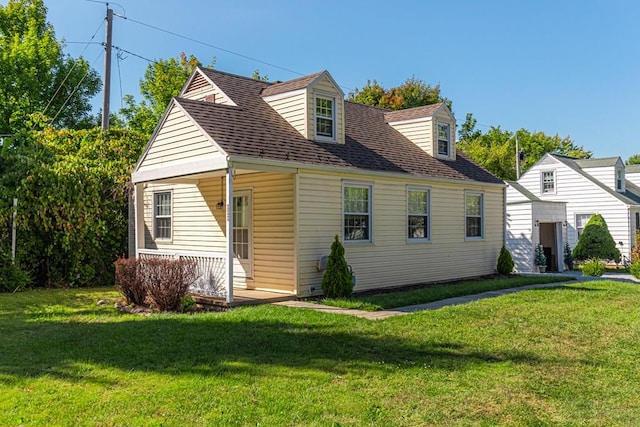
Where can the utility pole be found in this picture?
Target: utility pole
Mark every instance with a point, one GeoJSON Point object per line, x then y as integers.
{"type": "Point", "coordinates": [106, 94]}
{"type": "Point", "coordinates": [517, 158]}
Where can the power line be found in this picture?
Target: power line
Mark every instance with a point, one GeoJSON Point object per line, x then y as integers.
{"type": "Point", "coordinates": [133, 54]}
{"type": "Point", "coordinates": [209, 45]}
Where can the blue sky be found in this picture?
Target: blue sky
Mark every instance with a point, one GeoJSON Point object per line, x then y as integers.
{"type": "Point", "coordinates": [566, 67]}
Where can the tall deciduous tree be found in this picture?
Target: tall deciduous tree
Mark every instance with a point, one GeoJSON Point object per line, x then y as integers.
{"type": "Point", "coordinates": [162, 80]}
{"type": "Point", "coordinates": [495, 150]}
{"type": "Point", "coordinates": [35, 75]}
{"type": "Point", "coordinates": [412, 93]}
{"type": "Point", "coordinates": [634, 159]}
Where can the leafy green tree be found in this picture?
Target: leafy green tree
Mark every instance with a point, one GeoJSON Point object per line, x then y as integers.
{"type": "Point", "coordinates": [257, 76]}
{"type": "Point", "coordinates": [337, 281]}
{"type": "Point", "coordinates": [634, 159]}
{"type": "Point", "coordinates": [596, 242]}
{"type": "Point", "coordinates": [162, 80]}
{"type": "Point", "coordinates": [495, 150]}
{"type": "Point", "coordinates": [412, 93]}
{"type": "Point", "coordinates": [73, 188]}
{"type": "Point", "coordinates": [36, 76]}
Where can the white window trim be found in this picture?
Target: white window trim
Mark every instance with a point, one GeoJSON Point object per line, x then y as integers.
{"type": "Point", "coordinates": [334, 118]}
{"type": "Point", "coordinates": [622, 186]}
{"type": "Point", "coordinates": [575, 218]}
{"type": "Point", "coordinates": [248, 263]}
{"type": "Point", "coordinates": [154, 217]}
{"type": "Point", "coordinates": [357, 184]}
{"type": "Point", "coordinates": [428, 214]}
{"type": "Point", "coordinates": [555, 182]}
{"type": "Point", "coordinates": [482, 214]}
{"type": "Point", "coordinates": [437, 150]}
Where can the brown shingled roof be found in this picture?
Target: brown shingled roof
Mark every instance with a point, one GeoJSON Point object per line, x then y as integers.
{"type": "Point", "coordinates": [411, 113]}
{"type": "Point", "coordinates": [291, 85]}
{"type": "Point", "coordinates": [254, 129]}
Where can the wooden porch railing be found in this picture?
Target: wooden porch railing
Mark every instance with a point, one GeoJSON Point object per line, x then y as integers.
{"type": "Point", "coordinates": [211, 269]}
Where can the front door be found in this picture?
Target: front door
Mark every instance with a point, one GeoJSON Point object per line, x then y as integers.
{"type": "Point", "coordinates": [548, 240]}
{"type": "Point", "coordinates": [243, 234]}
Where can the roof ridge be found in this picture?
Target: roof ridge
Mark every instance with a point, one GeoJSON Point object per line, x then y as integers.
{"type": "Point", "coordinates": [251, 79]}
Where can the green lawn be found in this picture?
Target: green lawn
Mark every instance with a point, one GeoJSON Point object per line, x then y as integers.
{"type": "Point", "coordinates": [560, 356]}
{"type": "Point", "coordinates": [438, 292]}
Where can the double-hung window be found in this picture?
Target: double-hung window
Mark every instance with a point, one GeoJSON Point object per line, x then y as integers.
{"type": "Point", "coordinates": [418, 214]}
{"type": "Point", "coordinates": [581, 222]}
{"type": "Point", "coordinates": [325, 117]}
{"type": "Point", "coordinates": [357, 212]}
{"type": "Point", "coordinates": [444, 139]}
{"type": "Point", "coordinates": [548, 182]}
{"type": "Point", "coordinates": [474, 215]}
{"type": "Point", "coordinates": [619, 179]}
{"type": "Point", "coordinates": [162, 215]}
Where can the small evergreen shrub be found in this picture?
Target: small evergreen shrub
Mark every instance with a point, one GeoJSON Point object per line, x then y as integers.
{"type": "Point", "coordinates": [505, 262]}
{"type": "Point", "coordinates": [337, 282]}
{"type": "Point", "coordinates": [596, 242]}
{"type": "Point", "coordinates": [593, 267]}
{"type": "Point", "coordinates": [129, 282]}
{"type": "Point", "coordinates": [635, 269]}
{"type": "Point", "coordinates": [12, 277]}
{"type": "Point", "coordinates": [568, 256]}
{"type": "Point", "coordinates": [167, 281]}
{"type": "Point", "coordinates": [540, 257]}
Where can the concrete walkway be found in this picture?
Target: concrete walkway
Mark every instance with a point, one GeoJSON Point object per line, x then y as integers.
{"type": "Point", "coordinates": [400, 311]}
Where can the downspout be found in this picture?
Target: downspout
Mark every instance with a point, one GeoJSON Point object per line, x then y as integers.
{"type": "Point", "coordinates": [229, 225]}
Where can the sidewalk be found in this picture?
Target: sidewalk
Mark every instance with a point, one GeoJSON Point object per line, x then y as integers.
{"type": "Point", "coordinates": [400, 311]}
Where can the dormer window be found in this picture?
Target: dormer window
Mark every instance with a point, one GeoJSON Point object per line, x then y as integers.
{"type": "Point", "coordinates": [444, 139]}
{"type": "Point", "coordinates": [325, 118]}
{"type": "Point", "coordinates": [619, 180]}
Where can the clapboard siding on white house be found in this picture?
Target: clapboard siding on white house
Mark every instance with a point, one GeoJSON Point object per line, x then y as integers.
{"type": "Point", "coordinates": [292, 109]}
{"type": "Point", "coordinates": [391, 260]}
{"type": "Point", "coordinates": [634, 177]}
{"type": "Point", "coordinates": [606, 175]}
{"type": "Point", "coordinates": [178, 141]}
{"type": "Point", "coordinates": [519, 231]}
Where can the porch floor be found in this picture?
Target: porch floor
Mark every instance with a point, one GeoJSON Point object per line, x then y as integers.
{"type": "Point", "coordinates": [245, 297]}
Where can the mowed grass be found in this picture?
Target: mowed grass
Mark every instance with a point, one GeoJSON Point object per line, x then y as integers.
{"type": "Point", "coordinates": [559, 356]}
{"type": "Point", "coordinates": [437, 292]}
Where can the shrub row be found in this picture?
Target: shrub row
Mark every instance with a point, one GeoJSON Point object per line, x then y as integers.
{"type": "Point", "coordinates": [162, 283]}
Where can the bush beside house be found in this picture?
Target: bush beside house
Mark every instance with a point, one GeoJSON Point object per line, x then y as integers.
{"type": "Point", "coordinates": [337, 281]}
{"type": "Point", "coordinates": [596, 242]}
{"type": "Point", "coordinates": [505, 262]}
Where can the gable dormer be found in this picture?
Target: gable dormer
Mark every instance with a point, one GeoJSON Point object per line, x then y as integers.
{"type": "Point", "coordinates": [609, 171]}
{"type": "Point", "coordinates": [313, 105]}
{"type": "Point", "coordinates": [430, 127]}
{"type": "Point", "coordinates": [632, 173]}
{"type": "Point", "coordinates": [201, 88]}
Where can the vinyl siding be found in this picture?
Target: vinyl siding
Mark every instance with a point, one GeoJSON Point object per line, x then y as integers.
{"type": "Point", "coordinates": [633, 177]}
{"type": "Point", "coordinates": [390, 260]}
{"type": "Point", "coordinates": [292, 109]}
{"type": "Point", "coordinates": [606, 175]}
{"type": "Point", "coordinates": [200, 88]}
{"type": "Point", "coordinates": [420, 133]}
{"type": "Point", "coordinates": [444, 117]}
{"type": "Point", "coordinates": [519, 235]}
{"type": "Point", "coordinates": [178, 141]}
{"type": "Point", "coordinates": [325, 87]}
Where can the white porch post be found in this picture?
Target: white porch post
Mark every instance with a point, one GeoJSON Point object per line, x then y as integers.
{"type": "Point", "coordinates": [229, 198]}
{"type": "Point", "coordinates": [138, 206]}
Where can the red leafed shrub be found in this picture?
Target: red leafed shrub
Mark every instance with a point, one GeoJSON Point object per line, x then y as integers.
{"type": "Point", "coordinates": [167, 281]}
{"type": "Point", "coordinates": [129, 280]}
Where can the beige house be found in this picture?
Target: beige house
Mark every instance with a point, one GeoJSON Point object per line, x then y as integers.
{"type": "Point", "coordinates": [287, 166]}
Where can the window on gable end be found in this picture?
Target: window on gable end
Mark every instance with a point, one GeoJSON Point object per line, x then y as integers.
{"type": "Point", "coordinates": [325, 118]}
{"type": "Point", "coordinates": [444, 139]}
{"type": "Point", "coordinates": [548, 182]}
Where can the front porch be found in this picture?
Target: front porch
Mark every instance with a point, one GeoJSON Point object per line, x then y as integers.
{"type": "Point", "coordinates": [244, 297]}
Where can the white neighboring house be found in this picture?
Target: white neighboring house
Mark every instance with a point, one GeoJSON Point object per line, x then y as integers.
{"type": "Point", "coordinates": [553, 201]}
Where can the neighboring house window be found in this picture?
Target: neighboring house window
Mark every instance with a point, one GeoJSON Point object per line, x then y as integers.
{"type": "Point", "coordinates": [162, 215]}
{"type": "Point", "coordinates": [549, 182]}
{"type": "Point", "coordinates": [357, 212]}
{"type": "Point", "coordinates": [417, 214]}
{"type": "Point", "coordinates": [325, 117]}
{"type": "Point", "coordinates": [444, 139]}
{"type": "Point", "coordinates": [474, 212]}
{"type": "Point", "coordinates": [619, 180]}
{"type": "Point", "coordinates": [581, 222]}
